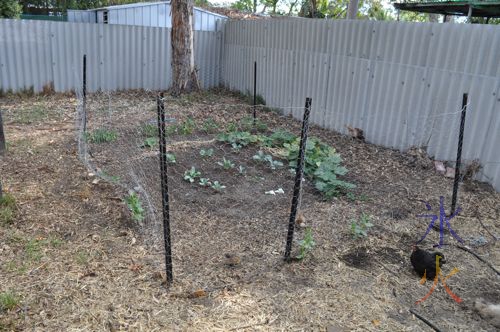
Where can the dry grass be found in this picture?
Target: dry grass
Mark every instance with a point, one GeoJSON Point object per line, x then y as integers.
{"type": "Point", "coordinates": [77, 262]}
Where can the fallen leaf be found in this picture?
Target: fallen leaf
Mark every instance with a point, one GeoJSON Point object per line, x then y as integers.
{"type": "Point", "coordinates": [376, 322]}
{"type": "Point", "coordinates": [135, 267]}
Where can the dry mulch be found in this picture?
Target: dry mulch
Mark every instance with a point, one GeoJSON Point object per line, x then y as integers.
{"type": "Point", "coordinates": [77, 261]}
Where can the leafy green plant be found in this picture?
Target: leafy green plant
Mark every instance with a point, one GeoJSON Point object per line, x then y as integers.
{"type": "Point", "coordinates": [226, 164]}
{"type": "Point", "coordinates": [262, 157]}
{"type": "Point", "coordinates": [171, 158]}
{"type": "Point", "coordinates": [361, 229]}
{"type": "Point", "coordinates": [209, 126]}
{"type": "Point", "coordinates": [135, 206]}
{"type": "Point", "coordinates": [191, 175]}
{"type": "Point", "coordinates": [238, 139]}
{"type": "Point", "coordinates": [171, 130]}
{"type": "Point", "coordinates": [206, 152]}
{"type": "Point", "coordinates": [217, 186]}
{"type": "Point", "coordinates": [307, 244]}
{"type": "Point", "coordinates": [205, 182]}
{"type": "Point", "coordinates": [7, 208]}
{"type": "Point", "coordinates": [187, 126]}
{"type": "Point", "coordinates": [102, 136]}
{"type": "Point", "coordinates": [279, 138]}
{"type": "Point", "coordinates": [33, 250]}
{"type": "Point", "coordinates": [241, 170]}
{"type": "Point", "coordinates": [8, 301]}
{"type": "Point", "coordinates": [322, 164]}
{"type": "Point", "coordinates": [150, 142]}
{"type": "Point", "coordinates": [232, 127]}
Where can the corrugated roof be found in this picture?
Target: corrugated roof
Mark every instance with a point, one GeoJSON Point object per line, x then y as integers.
{"type": "Point", "coordinates": [144, 4]}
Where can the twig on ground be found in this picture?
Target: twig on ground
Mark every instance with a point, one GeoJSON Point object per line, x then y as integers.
{"type": "Point", "coordinates": [478, 257]}
{"type": "Point", "coordinates": [487, 230]}
{"type": "Point", "coordinates": [425, 320]}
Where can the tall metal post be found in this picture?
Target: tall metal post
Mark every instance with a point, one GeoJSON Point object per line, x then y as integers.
{"type": "Point", "coordinates": [299, 170]}
{"type": "Point", "coordinates": [164, 188]}
{"type": "Point", "coordinates": [254, 92]}
{"type": "Point", "coordinates": [459, 153]}
{"type": "Point", "coordinates": [84, 91]}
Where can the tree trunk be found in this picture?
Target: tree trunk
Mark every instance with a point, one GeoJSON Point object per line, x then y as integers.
{"type": "Point", "coordinates": [184, 76]}
{"type": "Point", "coordinates": [352, 9]}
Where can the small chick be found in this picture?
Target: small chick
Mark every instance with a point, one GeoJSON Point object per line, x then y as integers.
{"type": "Point", "coordinates": [424, 262]}
{"type": "Point", "coordinates": [356, 132]}
{"type": "Point", "coordinates": [232, 260]}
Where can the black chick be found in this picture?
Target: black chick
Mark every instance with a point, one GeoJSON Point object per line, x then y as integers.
{"type": "Point", "coordinates": [424, 262]}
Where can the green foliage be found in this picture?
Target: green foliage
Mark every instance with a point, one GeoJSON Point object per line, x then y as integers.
{"type": "Point", "coordinates": [226, 163]}
{"type": "Point", "coordinates": [7, 209]}
{"type": "Point", "coordinates": [262, 157]}
{"type": "Point", "coordinates": [238, 139]}
{"type": "Point", "coordinates": [232, 127]}
{"type": "Point", "coordinates": [217, 186]}
{"type": "Point", "coordinates": [206, 152]}
{"type": "Point", "coordinates": [307, 244]}
{"type": "Point", "coordinates": [209, 126]}
{"type": "Point", "coordinates": [361, 229]}
{"type": "Point", "coordinates": [241, 170]}
{"type": "Point", "coordinates": [102, 136]}
{"type": "Point", "coordinates": [171, 158]}
{"type": "Point", "coordinates": [191, 175]}
{"type": "Point", "coordinates": [279, 138]}
{"type": "Point", "coordinates": [171, 130]}
{"type": "Point", "coordinates": [205, 182]}
{"type": "Point", "coordinates": [135, 206]}
{"type": "Point", "coordinates": [33, 249]}
{"type": "Point", "coordinates": [150, 142]}
{"type": "Point", "coordinates": [8, 301]}
{"type": "Point", "coordinates": [149, 130]}
{"type": "Point", "coordinates": [243, 5]}
{"type": "Point", "coordinates": [187, 126]}
{"type": "Point", "coordinates": [10, 9]}
{"type": "Point", "coordinates": [322, 164]}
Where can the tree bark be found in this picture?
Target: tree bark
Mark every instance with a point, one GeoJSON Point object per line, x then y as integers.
{"type": "Point", "coordinates": [184, 75]}
{"type": "Point", "coordinates": [352, 9]}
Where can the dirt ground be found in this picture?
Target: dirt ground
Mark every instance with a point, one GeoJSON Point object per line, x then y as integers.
{"type": "Point", "coordinates": [76, 261]}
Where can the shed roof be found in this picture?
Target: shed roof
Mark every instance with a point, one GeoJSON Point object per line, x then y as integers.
{"type": "Point", "coordinates": [144, 4]}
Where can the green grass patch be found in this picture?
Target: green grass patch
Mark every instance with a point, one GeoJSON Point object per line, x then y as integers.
{"type": "Point", "coordinates": [7, 209]}
{"type": "Point", "coordinates": [102, 136]}
{"type": "Point", "coordinates": [8, 301]}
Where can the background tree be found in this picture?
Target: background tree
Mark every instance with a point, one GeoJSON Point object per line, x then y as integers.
{"type": "Point", "coordinates": [10, 9]}
{"type": "Point", "coordinates": [184, 76]}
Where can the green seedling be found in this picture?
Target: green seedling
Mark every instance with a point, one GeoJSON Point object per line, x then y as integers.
{"type": "Point", "coordinates": [217, 186]}
{"type": "Point", "coordinates": [262, 157]}
{"type": "Point", "coordinates": [171, 158]}
{"type": "Point", "coordinates": [209, 126]}
{"type": "Point", "coordinates": [206, 152]}
{"type": "Point", "coordinates": [150, 142]}
{"type": "Point", "coordinates": [134, 204]}
{"type": "Point", "coordinates": [306, 245]}
{"type": "Point", "coordinates": [241, 170]}
{"type": "Point", "coordinates": [226, 164]}
{"type": "Point", "coordinates": [191, 175]}
{"type": "Point", "coordinates": [238, 139]}
{"type": "Point", "coordinates": [187, 126]}
{"type": "Point", "coordinates": [248, 124]}
{"type": "Point", "coordinates": [205, 182]}
{"type": "Point", "coordinates": [361, 229]}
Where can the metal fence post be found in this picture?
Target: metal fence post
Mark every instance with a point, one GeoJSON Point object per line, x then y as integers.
{"type": "Point", "coordinates": [299, 170]}
{"type": "Point", "coordinates": [84, 90]}
{"type": "Point", "coordinates": [164, 188]}
{"type": "Point", "coordinates": [459, 153]}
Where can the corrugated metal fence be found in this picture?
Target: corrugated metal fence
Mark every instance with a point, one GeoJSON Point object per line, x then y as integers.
{"type": "Point", "coordinates": [402, 83]}
{"type": "Point", "coordinates": [36, 53]}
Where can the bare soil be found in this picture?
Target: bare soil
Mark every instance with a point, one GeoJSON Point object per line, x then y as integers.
{"type": "Point", "coordinates": [76, 261]}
